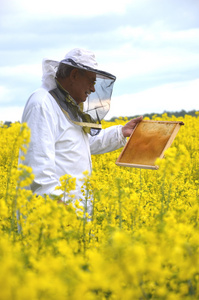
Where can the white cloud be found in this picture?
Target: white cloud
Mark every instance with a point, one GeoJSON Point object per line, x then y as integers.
{"type": "Point", "coordinates": [5, 95]}
{"type": "Point", "coordinates": [17, 83]}
{"type": "Point", "coordinates": [156, 34]}
{"type": "Point", "coordinates": [151, 50]}
{"type": "Point", "coordinates": [11, 114]}
{"type": "Point", "coordinates": [84, 8]}
{"type": "Point", "coordinates": [145, 43]}
{"type": "Point", "coordinates": [169, 97]}
{"type": "Point", "coordinates": [32, 70]}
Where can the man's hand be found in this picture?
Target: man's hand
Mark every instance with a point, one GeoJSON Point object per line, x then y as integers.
{"type": "Point", "coordinates": [128, 128]}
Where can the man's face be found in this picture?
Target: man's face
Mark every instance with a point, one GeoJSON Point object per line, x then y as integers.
{"type": "Point", "coordinates": [84, 85]}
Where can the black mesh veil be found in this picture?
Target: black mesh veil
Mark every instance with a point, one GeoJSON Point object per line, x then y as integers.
{"type": "Point", "coordinates": [97, 104]}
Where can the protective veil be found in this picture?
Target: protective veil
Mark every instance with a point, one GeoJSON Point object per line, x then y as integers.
{"type": "Point", "coordinates": [97, 104]}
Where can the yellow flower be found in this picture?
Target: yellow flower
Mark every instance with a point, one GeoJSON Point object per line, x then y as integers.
{"type": "Point", "coordinates": [139, 241]}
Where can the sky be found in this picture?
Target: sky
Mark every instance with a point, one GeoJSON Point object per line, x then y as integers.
{"type": "Point", "coordinates": [151, 46]}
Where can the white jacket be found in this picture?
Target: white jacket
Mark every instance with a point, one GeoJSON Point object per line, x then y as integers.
{"type": "Point", "coordinates": [58, 146]}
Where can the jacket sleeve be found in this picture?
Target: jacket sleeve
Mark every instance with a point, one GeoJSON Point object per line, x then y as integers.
{"type": "Point", "coordinates": [41, 152]}
{"type": "Point", "coordinates": [107, 140]}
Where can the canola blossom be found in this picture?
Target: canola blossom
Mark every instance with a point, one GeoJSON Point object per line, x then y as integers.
{"type": "Point", "coordinates": [141, 240]}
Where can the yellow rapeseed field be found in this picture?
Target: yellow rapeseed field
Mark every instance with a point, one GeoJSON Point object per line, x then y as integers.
{"type": "Point", "coordinates": [141, 242]}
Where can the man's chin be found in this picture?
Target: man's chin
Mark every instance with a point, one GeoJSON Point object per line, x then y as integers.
{"type": "Point", "coordinates": [81, 100]}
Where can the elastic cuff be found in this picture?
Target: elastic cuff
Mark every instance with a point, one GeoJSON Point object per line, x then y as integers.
{"type": "Point", "coordinates": [122, 139]}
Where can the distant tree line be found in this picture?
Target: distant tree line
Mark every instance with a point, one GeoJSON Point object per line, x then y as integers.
{"type": "Point", "coordinates": [181, 113]}
{"type": "Point", "coordinates": [8, 123]}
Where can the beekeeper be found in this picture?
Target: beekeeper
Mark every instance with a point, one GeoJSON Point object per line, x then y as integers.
{"type": "Point", "coordinates": [64, 116]}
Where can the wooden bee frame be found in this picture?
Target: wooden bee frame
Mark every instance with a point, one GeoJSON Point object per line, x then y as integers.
{"type": "Point", "coordinates": [148, 142]}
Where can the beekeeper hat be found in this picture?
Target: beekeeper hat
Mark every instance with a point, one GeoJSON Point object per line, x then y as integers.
{"type": "Point", "coordinates": [97, 104]}
{"type": "Point", "coordinates": [85, 59]}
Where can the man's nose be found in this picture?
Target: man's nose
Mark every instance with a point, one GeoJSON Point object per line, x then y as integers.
{"type": "Point", "coordinates": [92, 88]}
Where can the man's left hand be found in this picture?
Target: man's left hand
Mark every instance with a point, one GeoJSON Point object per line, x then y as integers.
{"type": "Point", "coordinates": [128, 128]}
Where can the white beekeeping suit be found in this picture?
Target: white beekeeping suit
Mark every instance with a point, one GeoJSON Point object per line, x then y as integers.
{"type": "Point", "coordinates": [60, 142]}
